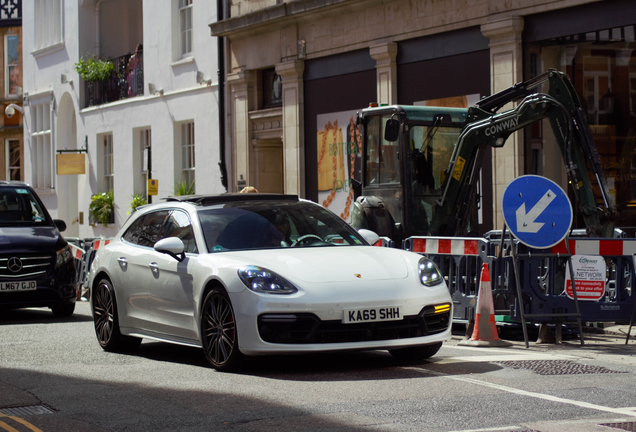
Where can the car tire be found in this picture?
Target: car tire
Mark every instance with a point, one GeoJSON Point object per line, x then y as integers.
{"type": "Point", "coordinates": [219, 335]}
{"type": "Point", "coordinates": [63, 311]}
{"type": "Point", "coordinates": [416, 352]}
{"type": "Point", "coordinates": [107, 321]}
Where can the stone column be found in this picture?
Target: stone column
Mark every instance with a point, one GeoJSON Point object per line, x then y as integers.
{"type": "Point", "coordinates": [386, 71]}
{"type": "Point", "coordinates": [241, 83]}
{"type": "Point", "coordinates": [506, 69]}
{"type": "Point", "coordinates": [293, 126]}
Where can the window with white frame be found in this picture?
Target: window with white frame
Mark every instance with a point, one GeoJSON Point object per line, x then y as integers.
{"type": "Point", "coordinates": [41, 146]}
{"type": "Point", "coordinates": [145, 142]}
{"type": "Point", "coordinates": [185, 27]}
{"type": "Point", "coordinates": [108, 182]}
{"type": "Point", "coordinates": [187, 154]}
{"type": "Point", "coordinates": [48, 23]}
{"type": "Point", "coordinates": [11, 65]}
{"type": "Point", "coordinates": [12, 156]}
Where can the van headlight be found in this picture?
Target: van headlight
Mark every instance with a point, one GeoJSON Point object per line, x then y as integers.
{"type": "Point", "coordinates": [63, 256]}
{"type": "Point", "coordinates": [429, 273]}
{"type": "Point", "coordinates": [261, 280]}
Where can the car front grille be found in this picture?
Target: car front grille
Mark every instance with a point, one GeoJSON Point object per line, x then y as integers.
{"type": "Point", "coordinates": [307, 328]}
{"type": "Point", "coordinates": [30, 266]}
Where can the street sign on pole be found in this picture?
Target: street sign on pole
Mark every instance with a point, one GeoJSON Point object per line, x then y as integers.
{"type": "Point", "coordinates": [537, 211]}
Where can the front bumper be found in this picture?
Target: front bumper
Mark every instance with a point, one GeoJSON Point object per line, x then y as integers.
{"type": "Point", "coordinates": [305, 324]}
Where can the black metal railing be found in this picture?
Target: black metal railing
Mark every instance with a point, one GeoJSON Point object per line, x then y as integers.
{"type": "Point", "coordinates": [126, 81]}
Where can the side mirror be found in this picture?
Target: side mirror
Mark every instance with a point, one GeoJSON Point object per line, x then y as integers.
{"type": "Point", "coordinates": [60, 224]}
{"type": "Point", "coordinates": [371, 237]}
{"type": "Point", "coordinates": [392, 130]}
{"type": "Point", "coordinates": [172, 246]}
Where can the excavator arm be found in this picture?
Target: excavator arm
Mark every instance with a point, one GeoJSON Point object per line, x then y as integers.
{"type": "Point", "coordinates": [488, 127]}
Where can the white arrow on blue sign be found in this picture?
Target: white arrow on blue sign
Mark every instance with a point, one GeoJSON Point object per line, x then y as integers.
{"type": "Point", "coordinates": [537, 211]}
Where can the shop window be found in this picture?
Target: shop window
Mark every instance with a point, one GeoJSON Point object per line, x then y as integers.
{"type": "Point", "coordinates": [602, 67]}
{"type": "Point", "coordinates": [185, 26]}
{"type": "Point", "coordinates": [48, 23]}
{"type": "Point", "coordinates": [13, 158]}
{"type": "Point", "coordinates": [108, 182]}
{"type": "Point", "coordinates": [42, 152]}
{"type": "Point", "coordinates": [272, 89]}
{"type": "Point", "coordinates": [11, 65]}
{"type": "Point", "coordinates": [187, 154]}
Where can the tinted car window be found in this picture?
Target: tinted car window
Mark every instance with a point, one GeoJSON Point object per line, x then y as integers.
{"type": "Point", "coordinates": [147, 230]}
{"type": "Point", "coordinates": [256, 225]}
{"type": "Point", "coordinates": [19, 206]}
{"type": "Point", "coordinates": [179, 226]}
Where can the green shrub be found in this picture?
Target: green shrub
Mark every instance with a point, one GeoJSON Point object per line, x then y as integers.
{"type": "Point", "coordinates": [138, 200]}
{"type": "Point", "coordinates": [93, 69]}
{"type": "Point", "coordinates": [102, 206]}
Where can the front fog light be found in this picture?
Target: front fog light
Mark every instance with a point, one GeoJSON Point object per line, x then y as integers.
{"type": "Point", "coordinates": [261, 280]}
{"type": "Point", "coordinates": [429, 274]}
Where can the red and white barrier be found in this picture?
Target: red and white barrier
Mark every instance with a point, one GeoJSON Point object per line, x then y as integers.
{"type": "Point", "coordinates": [99, 243]}
{"type": "Point", "coordinates": [77, 252]}
{"type": "Point", "coordinates": [445, 245]}
{"type": "Point", "coordinates": [597, 247]}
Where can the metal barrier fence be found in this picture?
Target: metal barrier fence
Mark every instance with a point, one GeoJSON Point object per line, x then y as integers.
{"type": "Point", "coordinates": [84, 253]}
{"type": "Point", "coordinates": [541, 273]}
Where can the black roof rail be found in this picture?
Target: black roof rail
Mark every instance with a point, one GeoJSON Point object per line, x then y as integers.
{"type": "Point", "coordinates": [230, 197]}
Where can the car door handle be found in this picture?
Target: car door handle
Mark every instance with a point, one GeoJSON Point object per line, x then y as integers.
{"type": "Point", "coordinates": [154, 267]}
{"type": "Point", "coordinates": [122, 261]}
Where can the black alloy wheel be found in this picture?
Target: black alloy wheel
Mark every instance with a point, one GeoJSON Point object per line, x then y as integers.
{"type": "Point", "coordinates": [219, 335]}
{"type": "Point", "coordinates": [107, 322]}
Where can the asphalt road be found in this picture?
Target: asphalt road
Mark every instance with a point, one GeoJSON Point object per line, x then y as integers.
{"type": "Point", "coordinates": [55, 377]}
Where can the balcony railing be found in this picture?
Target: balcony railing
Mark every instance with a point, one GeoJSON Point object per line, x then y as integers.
{"type": "Point", "coordinates": [127, 81]}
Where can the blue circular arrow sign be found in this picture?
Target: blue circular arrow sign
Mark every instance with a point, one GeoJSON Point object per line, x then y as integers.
{"type": "Point", "coordinates": [537, 211]}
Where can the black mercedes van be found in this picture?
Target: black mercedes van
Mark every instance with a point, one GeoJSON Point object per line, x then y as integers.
{"type": "Point", "coordinates": [37, 267]}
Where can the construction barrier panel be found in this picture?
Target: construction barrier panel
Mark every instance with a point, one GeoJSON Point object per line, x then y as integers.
{"type": "Point", "coordinates": [460, 261]}
{"type": "Point", "coordinates": [542, 274]}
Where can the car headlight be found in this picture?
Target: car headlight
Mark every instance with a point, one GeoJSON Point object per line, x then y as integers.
{"type": "Point", "coordinates": [429, 273]}
{"type": "Point", "coordinates": [63, 256]}
{"type": "Point", "coordinates": [261, 280]}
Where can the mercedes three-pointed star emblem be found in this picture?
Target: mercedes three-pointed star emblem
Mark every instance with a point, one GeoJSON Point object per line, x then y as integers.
{"type": "Point", "coordinates": [14, 264]}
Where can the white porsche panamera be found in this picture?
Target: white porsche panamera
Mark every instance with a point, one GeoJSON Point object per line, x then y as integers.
{"type": "Point", "coordinates": [256, 274]}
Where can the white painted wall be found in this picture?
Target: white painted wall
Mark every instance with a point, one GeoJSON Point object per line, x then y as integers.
{"type": "Point", "coordinates": [183, 99]}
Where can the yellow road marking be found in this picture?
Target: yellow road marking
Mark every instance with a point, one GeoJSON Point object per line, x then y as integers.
{"type": "Point", "coordinates": [19, 420]}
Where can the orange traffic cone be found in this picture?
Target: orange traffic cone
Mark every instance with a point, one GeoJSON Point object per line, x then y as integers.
{"type": "Point", "coordinates": [485, 331]}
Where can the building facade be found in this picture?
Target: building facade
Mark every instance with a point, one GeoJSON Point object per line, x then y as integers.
{"type": "Point", "coordinates": [153, 115]}
{"type": "Point", "coordinates": [326, 59]}
{"type": "Point", "coordinates": [11, 132]}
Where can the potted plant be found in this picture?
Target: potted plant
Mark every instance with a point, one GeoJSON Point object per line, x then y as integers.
{"type": "Point", "coordinates": [102, 208]}
{"type": "Point", "coordinates": [184, 188]}
{"type": "Point", "coordinates": [93, 69]}
{"type": "Point", "coordinates": [138, 200]}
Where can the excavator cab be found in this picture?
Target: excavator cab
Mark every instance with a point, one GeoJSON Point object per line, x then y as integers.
{"type": "Point", "coordinates": [406, 150]}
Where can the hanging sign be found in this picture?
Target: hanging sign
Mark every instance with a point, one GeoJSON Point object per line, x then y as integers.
{"type": "Point", "coordinates": [71, 163]}
{"type": "Point", "coordinates": [589, 277]}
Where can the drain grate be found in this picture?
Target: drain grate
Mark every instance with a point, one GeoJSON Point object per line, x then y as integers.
{"type": "Point", "coordinates": [556, 367]}
{"type": "Point", "coordinates": [27, 410]}
{"type": "Point", "coordinates": [626, 426]}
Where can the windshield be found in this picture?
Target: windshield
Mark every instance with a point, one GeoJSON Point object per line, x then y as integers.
{"type": "Point", "coordinates": [18, 206]}
{"type": "Point", "coordinates": [431, 148]}
{"type": "Point", "coordinates": [272, 224]}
